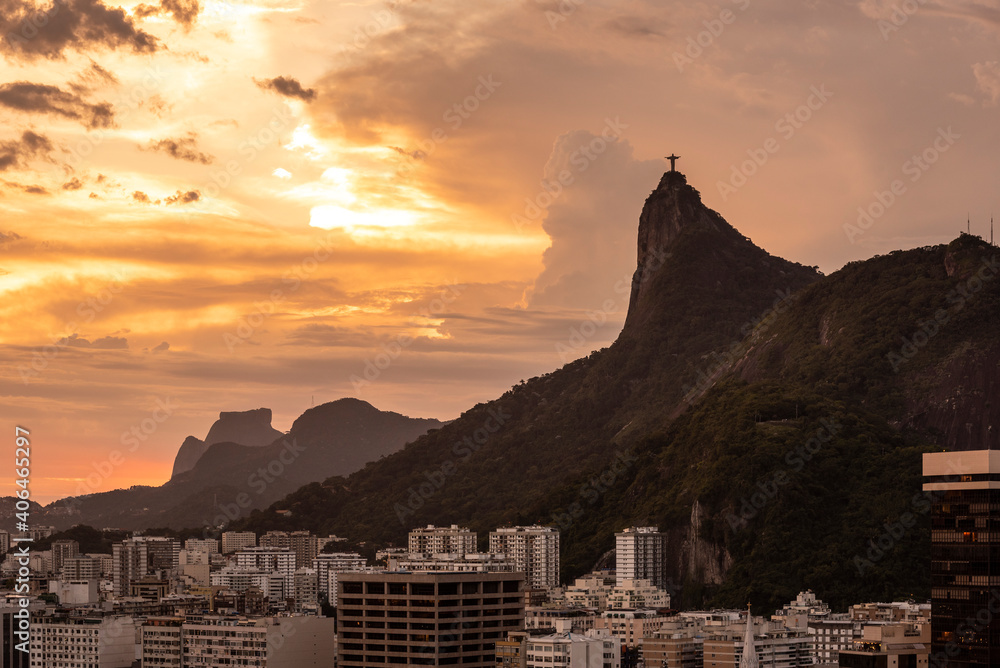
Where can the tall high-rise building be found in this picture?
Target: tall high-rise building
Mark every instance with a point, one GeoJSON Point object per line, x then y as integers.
{"type": "Point", "coordinates": [140, 556]}
{"type": "Point", "coordinates": [10, 655]}
{"type": "Point", "coordinates": [640, 553]}
{"type": "Point", "coordinates": [442, 540]}
{"type": "Point", "coordinates": [329, 565]}
{"type": "Point", "coordinates": [306, 592]}
{"type": "Point", "coordinates": [534, 550]}
{"type": "Point", "coordinates": [61, 551]}
{"type": "Point", "coordinates": [963, 488]}
{"type": "Point", "coordinates": [428, 619]}
{"type": "Point", "coordinates": [305, 546]}
{"type": "Point", "coordinates": [270, 560]}
{"type": "Point", "coordinates": [302, 543]}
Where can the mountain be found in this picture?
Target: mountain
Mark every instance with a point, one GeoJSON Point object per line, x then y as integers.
{"type": "Point", "coordinates": [230, 479]}
{"type": "Point", "coordinates": [252, 428]}
{"type": "Point", "coordinates": [769, 419]}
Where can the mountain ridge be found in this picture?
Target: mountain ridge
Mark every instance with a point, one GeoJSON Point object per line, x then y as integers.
{"type": "Point", "coordinates": [730, 362]}
{"type": "Point", "coordinates": [230, 479]}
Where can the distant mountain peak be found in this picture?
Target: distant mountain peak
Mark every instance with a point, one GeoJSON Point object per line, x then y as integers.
{"type": "Point", "coordinates": [674, 211]}
{"type": "Point", "coordinates": [252, 428]}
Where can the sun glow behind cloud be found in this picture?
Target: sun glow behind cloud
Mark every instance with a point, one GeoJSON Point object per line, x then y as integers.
{"type": "Point", "coordinates": [334, 216]}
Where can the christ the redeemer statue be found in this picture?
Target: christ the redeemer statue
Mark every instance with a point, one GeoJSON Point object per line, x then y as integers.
{"type": "Point", "coordinates": [673, 159]}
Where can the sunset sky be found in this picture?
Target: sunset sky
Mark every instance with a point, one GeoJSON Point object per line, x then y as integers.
{"type": "Point", "coordinates": [212, 205]}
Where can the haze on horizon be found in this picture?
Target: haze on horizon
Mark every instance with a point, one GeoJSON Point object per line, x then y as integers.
{"type": "Point", "coordinates": [225, 204]}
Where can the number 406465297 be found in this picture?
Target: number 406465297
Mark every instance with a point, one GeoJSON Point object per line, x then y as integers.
{"type": "Point", "coordinates": [22, 465]}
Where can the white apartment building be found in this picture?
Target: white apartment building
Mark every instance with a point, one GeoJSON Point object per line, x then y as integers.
{"type": "Point", "coordinates": [534, 550]}
{"type": "Point", "coordinates": [106, 562]}
{"type": "Point", "coordinates": [772, 645]}
{"type": "Point", "coordinates": [470, 562]}
{"type": "Point", "coordinates": [591, 591]}
{"type": "Point", "coordinates": [76, 592]}
{"type": "Point", "coordinates": [442, 540]}
{"type": "Point", "coordinates": [81, 568]}
{"type": "Point", "coordinates": [576, 620]}
{"type": "Point", "coordinates": [203, 641]}
{"type": "Point", "coordinates": [572, 650]}
{"type": "Point", "coordinates": [83, 642]}
{"type": "Point", "coordinates": [234, 541]}
{"type": "Point", "coordinates": [239, 579]}
{"type": "Point", "coordinates": [328, 565]}
{"type": "Point", "coordinates": [631, 594]}
{"type": "Point", "coordinates": [831, 636]}
{"type": "Point", "coordinates": [631, 626]}
{"type": "Point", "coordinates": [640, 553]}
{"type": "Point", "coordinates": [270, 560]}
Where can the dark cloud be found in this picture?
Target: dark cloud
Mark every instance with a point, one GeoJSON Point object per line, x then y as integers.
{"type": "Point", "coordinates": [73, 184]}
{"type": "Point", "coordinates": [183, 198]}
{"type": "Point", "coordinates": [140, 197]}
{"type": "Point", "coordinates": [288, 87]}
{"type": "Point", "coordinates": [634, 26]}
{"type": "Point", "coordinates": [185, 148]}
{"type": "Point", "coordinates": [162, 348]}
{"type": "Point", "coordinates": [103, 343]}
{"type": "Point", "coordinates": [6, 237]}
{"type": "Point", "coordinates": [18, 152]}
{"type": "Point", "coordinates": [29, 188]}
{"type": "Point", "coordinates": [45, 99]}
{"type": "Point", "coordinates": [48, 31]}
{"type": "Point", "coordinates": [184, 12]}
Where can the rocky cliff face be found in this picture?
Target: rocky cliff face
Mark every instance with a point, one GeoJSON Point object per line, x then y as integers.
{"type": "Point", "coordinates": [251, 428]}
{"type": "Point", "coordinates": [669, 210]}
{"type": "Point", "coordinates": [672, 216]}
{"type": "Point", "coordinates": [190, 452]}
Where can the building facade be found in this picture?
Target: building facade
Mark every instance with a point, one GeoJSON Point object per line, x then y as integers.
{"type": "Point", "coordinates": [234, 541]}
{"type": "Point", "coordinates": [890, 646]}
{"type": "Point", "coordinates": [767, 644]}
{"type": "Point", "coordinates": [61, 551]}
{"type": "Point", "coordinates": [534, 551]}
{"type": "Point", "coordinates": [271, 560]}
{"type": "Point", "coordinates": [442, 540]}
{"type": "Point", "coordinates": [140, 556]}
{"type": "Point", "coordinates": [83, 642]}
{"type": "Point", "coordinates": [470, 562]}
{"type": "Point", "coordinates": [210, 545]}
{"type": "Point", "coordinates": [430, 619]}
{"type": "Point", "coordinates": [640, 554]}
{"type": "Point", "coordinates": [964, 491]}
{"type": "Point", "coordinates": [572, 650]}
{"type": "Point", "coordinates": [328, 565]}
